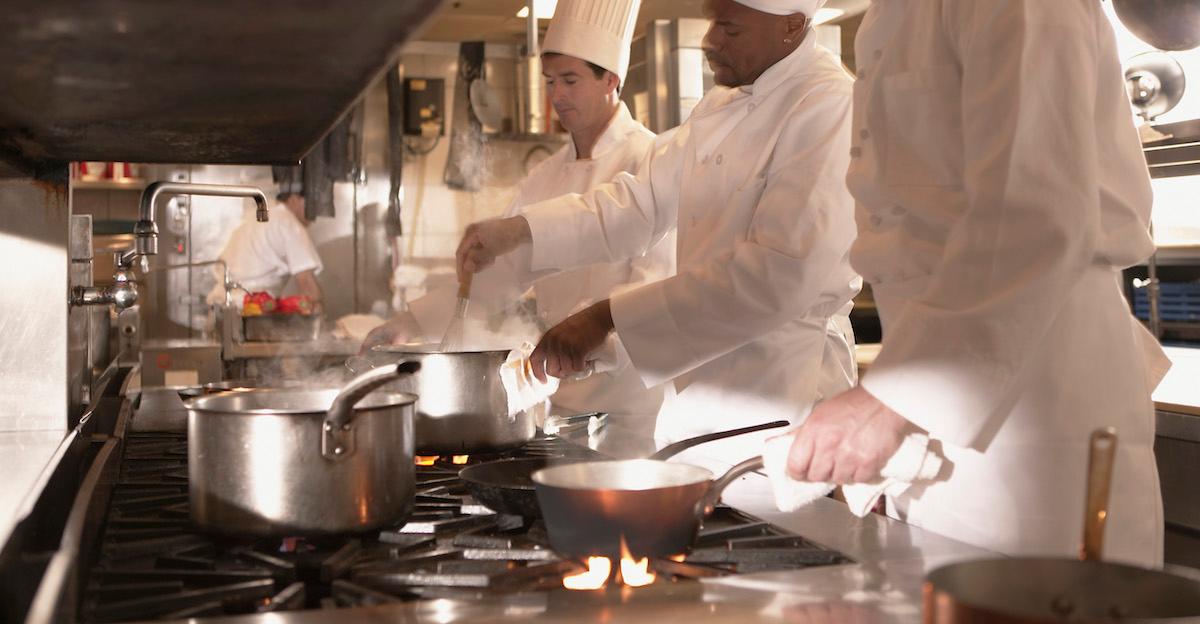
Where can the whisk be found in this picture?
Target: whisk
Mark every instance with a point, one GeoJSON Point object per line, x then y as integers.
{"type": "Point", "coordinates": [452, 340]}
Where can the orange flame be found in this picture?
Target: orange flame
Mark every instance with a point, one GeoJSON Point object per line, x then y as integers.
{"type": "Point", "coordinates": [678, 558]}
{"type": "Point", "coordinates": [594, 578]}
{"type": "Point", "coordinates": [460, 459]}
{"type": "Point", "coordinates": [426, 460]}
{"type": "Point", "coordinates": [634, 572]}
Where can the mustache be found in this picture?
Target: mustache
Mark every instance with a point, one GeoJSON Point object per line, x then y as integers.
{"type": "Point", "coordinates": [713, 57]}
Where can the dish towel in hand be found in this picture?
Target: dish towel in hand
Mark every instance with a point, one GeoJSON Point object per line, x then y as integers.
{"type": "Point", "coordinates": [913, 461]}
{"type": "Point", "coordinates": [522, 389]}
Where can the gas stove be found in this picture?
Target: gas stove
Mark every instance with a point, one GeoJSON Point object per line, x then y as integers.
{"type": "Point", "coordinates": [152, 565]}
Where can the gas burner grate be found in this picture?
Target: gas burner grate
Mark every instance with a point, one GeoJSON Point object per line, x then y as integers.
{"type": "Point", "coordinates": [152, 565]}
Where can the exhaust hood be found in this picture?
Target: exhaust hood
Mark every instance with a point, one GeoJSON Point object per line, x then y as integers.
{"type": "Point", "coordinates": [188, 82]}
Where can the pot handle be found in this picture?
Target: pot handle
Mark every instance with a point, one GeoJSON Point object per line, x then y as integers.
{"type": "Point", "coordinates": [1101, 451]}
{"type": "Point", "coordinates": [675, 448]}
{"type": "Point", "coordinates": [337, 439]}
{"type": "Point", "coordinates": [713, 496]}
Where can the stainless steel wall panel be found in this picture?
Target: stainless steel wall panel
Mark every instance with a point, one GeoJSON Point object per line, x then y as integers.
{"type": "Point", "coordinates": [34, 232]}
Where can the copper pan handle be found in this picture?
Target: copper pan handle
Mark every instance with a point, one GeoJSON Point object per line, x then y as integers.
{"type": "Point", "coordinates": [1101, 456]}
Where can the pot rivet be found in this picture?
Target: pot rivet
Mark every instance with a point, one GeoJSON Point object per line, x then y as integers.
{"type": "Point", "coordinates": [1062, 606]}
{"type": "Point", "coordinates": [338, 450]}
{"type": "Point", "coordinates": [328, 427]}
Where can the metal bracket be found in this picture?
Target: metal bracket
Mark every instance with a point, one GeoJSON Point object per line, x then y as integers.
{"type": "Point", "coordinates": [337, 443]}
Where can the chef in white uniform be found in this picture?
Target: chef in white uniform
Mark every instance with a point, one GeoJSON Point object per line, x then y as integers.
{"type": "Point", "coordinates": [585, 57]}
{"type": "Point", "coordinates": [753, 327]}
{"type": "Point", "coordinates": [1001, 188]}
{"type": "Point", "coordinates": [262, 257]}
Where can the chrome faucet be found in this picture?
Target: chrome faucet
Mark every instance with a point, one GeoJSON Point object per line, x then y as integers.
{"type": "Point", "coordinates": [146, 231]}
{"type": "Point", "coordinates": [122, 293]}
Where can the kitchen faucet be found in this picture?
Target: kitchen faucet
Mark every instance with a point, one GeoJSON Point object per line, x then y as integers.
{"type": "Point", "coordinates": [123, 292]}
{"type": "Point", "coordinates": [146, 231]}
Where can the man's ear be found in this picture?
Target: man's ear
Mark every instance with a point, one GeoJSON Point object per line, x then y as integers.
{"type": "Point", "coordinates": [611, 82]}
{"type": "Point", "coordinates": [797, 23]}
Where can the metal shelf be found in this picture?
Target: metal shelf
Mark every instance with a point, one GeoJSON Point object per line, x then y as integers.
{"type": "Point", "coordinates": [127, 184]}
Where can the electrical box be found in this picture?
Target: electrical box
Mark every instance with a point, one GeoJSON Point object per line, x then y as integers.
{"type": "Point", "coordinates": [424, 106]}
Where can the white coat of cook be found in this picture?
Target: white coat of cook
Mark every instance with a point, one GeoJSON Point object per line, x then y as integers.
{"type": "Point", "coordinates": [995, 212]}
{"type": "Point", "coordinates": [623, 144]}
{"type": "Point", "coordinates": [263, 256]}
{"type": "Point", "coordinates": [753, 326]}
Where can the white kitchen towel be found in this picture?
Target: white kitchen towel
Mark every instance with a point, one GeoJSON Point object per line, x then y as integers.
{"type": "Point", "coordinates": [913, 461]}
{"type": "Point", "coordinates": [522, 389]}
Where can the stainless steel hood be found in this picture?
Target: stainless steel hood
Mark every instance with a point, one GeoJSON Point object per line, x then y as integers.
{"type": "Point", "coordinates": [188, 82]}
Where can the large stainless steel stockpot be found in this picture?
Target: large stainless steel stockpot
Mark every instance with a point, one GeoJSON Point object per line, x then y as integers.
{"type": "Point", "coordinates": [293, 461]}
{"type": "Point", "coordinates": [463, 407]}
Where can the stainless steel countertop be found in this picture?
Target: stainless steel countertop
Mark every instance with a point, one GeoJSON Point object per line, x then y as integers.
{"type": "Point", "coordinates": [884, 586]}
{"type": "Point", "coordinates": [26, 461]}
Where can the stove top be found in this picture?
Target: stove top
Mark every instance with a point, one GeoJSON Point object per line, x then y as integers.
{"type": "Point", "coordinates": [152, 565]}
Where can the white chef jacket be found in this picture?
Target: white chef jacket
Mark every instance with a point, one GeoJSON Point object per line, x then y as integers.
{"type": "Point", "coordinates": [1001, 187]}
{"type": "Point", "coordinates": [753, 327]}
{"type": "Point", "coordinates": [263, 256]}
{"type": "Point", "coordinates": [620, 147]}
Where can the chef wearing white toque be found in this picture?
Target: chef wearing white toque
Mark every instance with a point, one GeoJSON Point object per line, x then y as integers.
{"type": "Point", "coordinates": [753, 327]}
{"type": "Point", "coordinates": [585, 57]}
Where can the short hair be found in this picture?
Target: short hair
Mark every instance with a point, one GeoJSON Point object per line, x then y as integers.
{"type": "Point", "coordinates": [596, 69]}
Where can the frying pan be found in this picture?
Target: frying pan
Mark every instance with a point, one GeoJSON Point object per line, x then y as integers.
{"type": "Point", "coordinates": [506, 485]}
{"type": "Point", "coordinates": [1026, 589]}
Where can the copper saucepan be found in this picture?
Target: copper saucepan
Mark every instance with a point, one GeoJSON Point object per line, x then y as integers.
{"type": "Point", "coordinates": [1027, 589]}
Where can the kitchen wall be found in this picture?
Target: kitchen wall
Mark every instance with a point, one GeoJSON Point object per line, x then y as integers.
{"type": "Point", "coordinates": [354, 246]}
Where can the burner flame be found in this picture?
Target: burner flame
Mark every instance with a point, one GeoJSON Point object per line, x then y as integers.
{"type": "Point", "coordinates": [459, 460]}
{"type": "Point", "coordinates": [426, 460]}
{"type": "Point", "coordinates": [634, 572]}
{"type": "Point", "coordinates": [595, 577]}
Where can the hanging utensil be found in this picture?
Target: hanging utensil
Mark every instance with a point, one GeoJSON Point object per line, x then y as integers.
{"type": "Point", "coordinates": [1165, 24]}
{"type": "Point", "coordinates": [1028, 589]}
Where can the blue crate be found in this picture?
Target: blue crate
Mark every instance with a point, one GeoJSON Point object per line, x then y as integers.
{"type": "Point", "coordinates": [1177, 301]}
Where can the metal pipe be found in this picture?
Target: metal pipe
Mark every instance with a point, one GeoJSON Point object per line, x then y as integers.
{"type": "Point", "coordinates": [146, 231]}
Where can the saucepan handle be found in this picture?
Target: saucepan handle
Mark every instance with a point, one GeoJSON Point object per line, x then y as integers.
{"type": "Point", "coordinates": [710, 500]}
{"type": "Point", "coordinates": [1101, 453]}
{"type": "Point", "coordinates": [676, 448]}
{"type": "Point", "coordinates": [337, 435]}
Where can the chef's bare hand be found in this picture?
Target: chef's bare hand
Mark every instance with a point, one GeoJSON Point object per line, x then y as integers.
{"type": "Point", "coordinates": [846, 439]}
{"type": "Point", "coordinates": [563, 350]}
{"type": "Point", "coordinates": [484, 241]}
{"type": "Point", "coordinates": [400, 329]}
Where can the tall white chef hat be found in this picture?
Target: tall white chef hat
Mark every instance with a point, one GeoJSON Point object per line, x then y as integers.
{"type": "Point", "coordinates": [597, 31]}
{"type": "Point", "coordinates": [785, 7]}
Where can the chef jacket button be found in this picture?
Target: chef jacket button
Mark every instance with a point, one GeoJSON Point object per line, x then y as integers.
{"type": "Point", "coordinates": [878, 54]}
{"type": "Point", "coordinates": [720, 158]}
{"type": "Point", "coordinates": [898, 210]}
{"type": "Point", "coordinates": [855, 152]}
{"type": "Point", "coordinates": [876, 221]}
{"type": "Point", "coordinates": [864, 133]}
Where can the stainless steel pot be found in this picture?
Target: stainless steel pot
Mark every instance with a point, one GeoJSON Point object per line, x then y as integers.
{"type": "Point", "coordinates": [463, 407]}
{"type": "Point", "coordinates": [1040, 590]}
{"type": "Point", "coordinates": [292, 461]}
